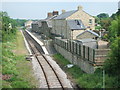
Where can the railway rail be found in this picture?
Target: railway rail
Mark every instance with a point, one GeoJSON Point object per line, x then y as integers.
{"type": "Point", "coordinates": [51, 79]}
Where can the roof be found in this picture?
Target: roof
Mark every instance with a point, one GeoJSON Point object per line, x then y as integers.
{"type": "Point", "coordinates": [48, 20]}
{"type": "Point", "coordinates": [86, 40]}
{"type": "Point", "coordinates": [75, 24]}
{"type": "Point", "coordinates": [49, 23]}
{"type": "Point", "coordinates": [89, 32]}
{"type": "Point", "coordinates": [34, 22]}
{"type": "Point", "coordinates": [65, 14]}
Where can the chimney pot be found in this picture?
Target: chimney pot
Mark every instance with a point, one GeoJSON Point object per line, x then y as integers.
{"type": "Point", "coordinates": [63, 11]}
{"type": "Point", "coordinates": [49, 14]}
{"type": "Point", "coordinates": [55, 13]}
{"type": "Point", "coordinates": [80, 7]}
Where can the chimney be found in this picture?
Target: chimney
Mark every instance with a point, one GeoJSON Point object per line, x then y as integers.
{"type": "Point", "coordinates": [80, 8]}
{"type": "Point", "coordinates": [55, 13]}
{"type": "Point", "coordinates": [49, 14]}
{"type": "Point", "coordinates": [63, 11]}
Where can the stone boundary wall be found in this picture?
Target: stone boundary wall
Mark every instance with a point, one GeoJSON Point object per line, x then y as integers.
{"type": "Point", "coordinates": [85, 57]}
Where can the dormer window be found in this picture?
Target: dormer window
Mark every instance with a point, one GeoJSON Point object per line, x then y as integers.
{"type": "Point", "coordinates": [90, 21]}
{"type": "Point", "coordinates": [78, 23]}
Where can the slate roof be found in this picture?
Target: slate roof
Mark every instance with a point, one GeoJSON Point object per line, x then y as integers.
{"type": "Point", "coordinates": [75, 24]}
{"type": "Point", "coordinates": [34, 22]}
{"type": "Point", "coordinates": [86, 40]}
{"type": "Point", "coordinates": [48, 20]}
{"type": "Point", "coordinates": [65, 14]}
{"type": "Point", "coordinates": [89, 32]}
{"type": "Point", "coordinates": [49, 23]}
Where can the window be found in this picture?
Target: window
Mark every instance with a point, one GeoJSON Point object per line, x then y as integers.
{"type": "Point", "coordinates": [78, 23]}
{"type": "Point", "coordinates": [90, 21]}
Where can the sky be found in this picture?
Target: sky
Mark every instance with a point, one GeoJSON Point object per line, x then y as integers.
{"type": "Point", "coordinates": [39, 10]}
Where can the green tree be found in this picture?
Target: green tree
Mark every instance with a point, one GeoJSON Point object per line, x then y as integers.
{"type": "Point", "coordinates": [103, 15]}
{"type": "Point", "coordinates": [112, 64]}
{"type": "Point", "coordinates": [114, 31]}
{"type": "Point", "coordinates": [104, 20]}
{"type": "Point", "coordinates": [105, 23]}
{"type": "Point", "coordinates": [8, 27]}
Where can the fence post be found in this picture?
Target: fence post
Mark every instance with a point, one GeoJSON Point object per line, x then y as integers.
{"type": "Point", "coordinates": [76, 48]}
{"type": "Point", "coordinates": [88, 53]}
{"type": "Point", "coordinates": [83, 51]}
{"type": "Point", "coordinates": [93, 55]}
{"type": "Point", "coordinates": [79, 49]}
{"type": "Point", "coordinates": [72, 47]}
{"type": "Point", "coordinates": [67, 46]}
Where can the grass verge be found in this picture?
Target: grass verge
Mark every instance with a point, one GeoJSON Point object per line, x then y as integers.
{"type": "Point", "coordinates": [83, 79]}
{"type": "Point", "coordinates": [16, 71]}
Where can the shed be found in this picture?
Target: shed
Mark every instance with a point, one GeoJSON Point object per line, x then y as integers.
{"type": "Point", "coordinates": [88, 34]}
{"type": "Point", "coordinates": [88, 42]}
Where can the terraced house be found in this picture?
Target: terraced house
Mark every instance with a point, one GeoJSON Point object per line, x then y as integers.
{"type": "Point", "coordinates": [70, 24]}
{"type": "Point", "coordinates": [44, 26]}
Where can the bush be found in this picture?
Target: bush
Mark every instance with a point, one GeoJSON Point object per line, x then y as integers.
{"type": "Point", "coordinates": [20, 84]}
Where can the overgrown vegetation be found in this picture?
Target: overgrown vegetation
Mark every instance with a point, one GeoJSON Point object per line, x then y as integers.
{"type": "Point", "coordinates": [16, 71]}
{"type": "Point", "coordinates": [83, 79]}
{"type": "Point", "coordinates": [112, 64]}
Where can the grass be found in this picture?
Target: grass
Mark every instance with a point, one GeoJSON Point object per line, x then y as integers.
{"type": "Point", "coordinates": [83, 79]}
{"type": "Point", "coordinates": [15, 65]}
{"type": "Point", "coordinates": [20, 49]}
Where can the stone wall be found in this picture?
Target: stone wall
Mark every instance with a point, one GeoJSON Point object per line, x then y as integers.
{"type": "Point", "coordinates": [86, 58]}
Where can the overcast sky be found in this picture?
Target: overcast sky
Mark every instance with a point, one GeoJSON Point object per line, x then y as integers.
{"type": "Point", "coordinates": [38, 10]}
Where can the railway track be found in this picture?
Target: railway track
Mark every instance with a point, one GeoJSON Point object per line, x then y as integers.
{"type": "Point", "coordinates": [49, 75]}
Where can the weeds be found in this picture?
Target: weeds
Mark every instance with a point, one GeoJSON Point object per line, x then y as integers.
{"type": "Point", "coordinates": [83, 79]}
{"type": "Point", "coordinates": [16, 67]}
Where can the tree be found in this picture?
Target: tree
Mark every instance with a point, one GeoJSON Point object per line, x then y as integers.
{"type": "Point", "coordinates": [97, 20]}
{"type": "Point", "coordinates": [112, 64]}
{"type": "Point", "coordinates": [103, 15]}
{"type": "Point", "coordinates": [7, 32]}
{"type": "Point", "coordinates": [114, 31]}
{"type": "Point", "coordinates": [104, 20]}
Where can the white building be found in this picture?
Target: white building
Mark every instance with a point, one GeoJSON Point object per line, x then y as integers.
{"type": "Point", "coordinates": [28, 24]}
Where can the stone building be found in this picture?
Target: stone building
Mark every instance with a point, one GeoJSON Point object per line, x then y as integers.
{"type": "Point", "coordinates": [35, 26]}
{"type": "Point", "coordinates": [88, 34]}
{"type": "Point", "coordinates": [44, 26]}
{"type": "Point", "coordinates": [70, 24]}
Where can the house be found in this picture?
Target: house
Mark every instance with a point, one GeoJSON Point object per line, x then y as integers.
{"type": "Point", "coordinates": [28, 24]}
{"type": "Point", "coordinates": [35, 27]}
{"type": "Point", "coordinates": [46, 26]}
{"type": "Point", "coordinates": [88, 34]}
{"type": "Point", "coordinates": [70, 24]}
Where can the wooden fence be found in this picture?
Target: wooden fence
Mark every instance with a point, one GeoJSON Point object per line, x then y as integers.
{"type": "Point", "coordinates": [82, 51]}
